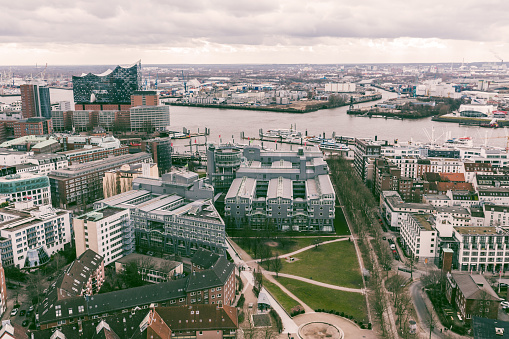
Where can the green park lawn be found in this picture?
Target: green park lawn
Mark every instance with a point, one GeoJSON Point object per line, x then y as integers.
{"type": "Point", "coordinates": [277, 245]}
{"type": "Point", "coordinates": [284, 299]}
{"type": "Point", "coordinates": [335, 263]}
{"type": "Point", "coordinates": [318, 297]}
{"type": "Point", "coordinates": [340, 224]}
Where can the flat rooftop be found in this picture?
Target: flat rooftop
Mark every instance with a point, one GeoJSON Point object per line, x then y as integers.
{"type": "Point", "coordinates": [423, 220]}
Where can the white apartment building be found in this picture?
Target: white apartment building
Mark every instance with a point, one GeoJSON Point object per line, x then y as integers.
{"type": "Point", "coordinates": [11, 158]}
{"type": "Point", "coordinates": [48, 162]}
{"type": "Point", "coordinates": [106, 231]}
{"type": "Point", "coordinates": [439, 165]}
{"type": "Point", "coordinates": [436, 200]}
{"type": "Point", "coordinates": [419, 235]}
{"type": "Point", "coordinates": [30, 235]}
{"type": "Point", "coordinates": [394, 209]}
{"type": "Point", "coordinates": [407, 164]}
{"type": "Point", "coordinates": [496, 215]}
{"type": "Point", "coordinates": [453, 216]}
{"type": "Point", "coordinates": [482, 248]}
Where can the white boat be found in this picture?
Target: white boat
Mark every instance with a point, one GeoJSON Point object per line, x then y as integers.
{"type": "Point", "coordinates": [281, 134]}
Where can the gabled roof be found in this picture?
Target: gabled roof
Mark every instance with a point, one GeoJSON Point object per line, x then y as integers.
{"type": "Point", "coordinates": [204, 258]}
{"type": "Point", "coordinates": [199, 317]}
{"type": "Point", "coordinates": [474, 286]}
{"type": "Point", "coordinates": [217, 275]}
{"type": "Point", "coordinates": [455, 177]}
{"type": "Point", "coordinates": [137, 296]}
{"type": "Point", "coordinates": [77, 275]}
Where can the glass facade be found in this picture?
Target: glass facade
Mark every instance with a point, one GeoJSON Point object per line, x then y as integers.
{"type": "Point", "coordinates": [113, 87]}
{"type": "Point", "coordinates": [45, 102]}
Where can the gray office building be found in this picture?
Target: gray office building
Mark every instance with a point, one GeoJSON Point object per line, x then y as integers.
{"type": "Point", "coordinates": [169, 223]}
{"type": "Point", "coordinates": [286, 190]}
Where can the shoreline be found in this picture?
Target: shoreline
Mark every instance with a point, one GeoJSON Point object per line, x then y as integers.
{"type": "Point", "coordinates": [314, 108]}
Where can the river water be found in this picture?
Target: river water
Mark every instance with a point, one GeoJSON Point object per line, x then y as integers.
{"type": "Point", "coordinates": [229, 123]}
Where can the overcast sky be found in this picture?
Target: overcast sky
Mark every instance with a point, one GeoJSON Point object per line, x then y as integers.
{"type": "Point", "coordinates": [60, 32]}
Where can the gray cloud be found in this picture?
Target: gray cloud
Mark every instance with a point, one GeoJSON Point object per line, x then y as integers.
{"type": "Point", "coordinates": [263, 22]}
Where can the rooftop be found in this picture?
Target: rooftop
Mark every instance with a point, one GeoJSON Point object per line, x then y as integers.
{"type": "Point", "coordinates": [423, 220]}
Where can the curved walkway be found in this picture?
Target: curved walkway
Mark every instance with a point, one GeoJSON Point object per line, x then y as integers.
{"type": "Point", "coordinates": [301, 249]}
{"type": "Point", "coordinates": [318, 283]}
{"type": "Point", "coordinates": [350, 329]}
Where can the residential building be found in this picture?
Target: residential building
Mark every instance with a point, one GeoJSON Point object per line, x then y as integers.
{"type": "Point", "coordinates": [32, 126]}
{"type": "Point", "coordinates": [189, 322]}
{"type": "Point", "coordinates": [287, 190]}
{"type": "Point", "coordinates": [496, 215]}
{"type": "Point", "coordinates": [107, 231]}
{"type": "Point", "coordinates": [161, 149]}
{"type": "Point", "coordinates": [419, 236]}
{"type": "Point", "coordinates": [46, 163]}
{"type": "Point", "coordinates": [152, 269]}
{"type": "Point", "coordinates": [482, 248]}
{"type": "Point", "coordinates": [26, 186]}
{"type": "Point", "coordinates": [393, 209]}
{"type": "Point", "coordinates": [62, 120]}
{"type": "Point", "coordinates": [30, 235]}
{"type": "Point", "coordinates": [92, 153]}
{"type": "Point", "coordinates": [365, 153]}
{"type": "Point", "coordinates": [472, 295]}
{"type": "Point", "coordinates": [11, 158]}
{"type": "Point", "coordinates": [80, 185]}
{"type": "Point", "coordinates": [169, 223]}
{"type": "Point", "coordinates": [215, 286]}
{"type": "Point", "coordinates": [84, 276]}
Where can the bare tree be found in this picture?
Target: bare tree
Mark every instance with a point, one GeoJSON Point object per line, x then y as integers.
{"type": "Point", "coordinates": [430, 320]}
{"type": "Point", "coordinates": [277, 265]}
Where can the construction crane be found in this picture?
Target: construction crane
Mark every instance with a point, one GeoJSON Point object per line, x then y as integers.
{"type": "Point", "coordinates": [503, 137]}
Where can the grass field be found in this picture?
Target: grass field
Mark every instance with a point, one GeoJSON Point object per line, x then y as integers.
{"type": "Point", "coordinates": [334, 263]}
{"type": "Point", "coordinates": [284, 299]}
{"type": "Point", "coordinates": [340, 224]}
{"type": "Point", "coordinates": [321, 297]}
{"type": "Point", "coordinates": [278, 245]}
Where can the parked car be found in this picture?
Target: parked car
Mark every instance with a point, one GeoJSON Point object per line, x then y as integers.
{"type": "Point", "coordinates": [14, 312]}
{"type": "Point", "coordinates": [31, 308]}
{"type": "Point", "coordinates": [393, 247]}
{"type": "Point", "coordinates": [22, 312]}
{"type": "Point", "coordinates": [29, 313]}
{"type": "Point", "coordinates": [504, 304]}
{"type": "Point", "coordinates": [25, 323]}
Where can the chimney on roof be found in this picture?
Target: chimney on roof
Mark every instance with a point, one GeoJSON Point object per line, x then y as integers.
{"type": "Point", "coordinates": [499, 331]}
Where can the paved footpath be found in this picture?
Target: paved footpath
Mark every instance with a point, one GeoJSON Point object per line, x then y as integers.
{"type": "Point", "coordinates": [318, 283]}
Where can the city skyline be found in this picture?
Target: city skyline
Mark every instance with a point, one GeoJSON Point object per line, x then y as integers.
{"type": "Point", "coordinates": [226, 32]}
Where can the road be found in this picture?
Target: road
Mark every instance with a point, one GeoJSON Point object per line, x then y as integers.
{"type": "Point", "coordinates": [289, 326]}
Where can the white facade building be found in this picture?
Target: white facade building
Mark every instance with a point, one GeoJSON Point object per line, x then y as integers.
{"type": "Point", "coordinates": [419, 235]}
{"type": "Point", "coordinates": [30, 235]}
